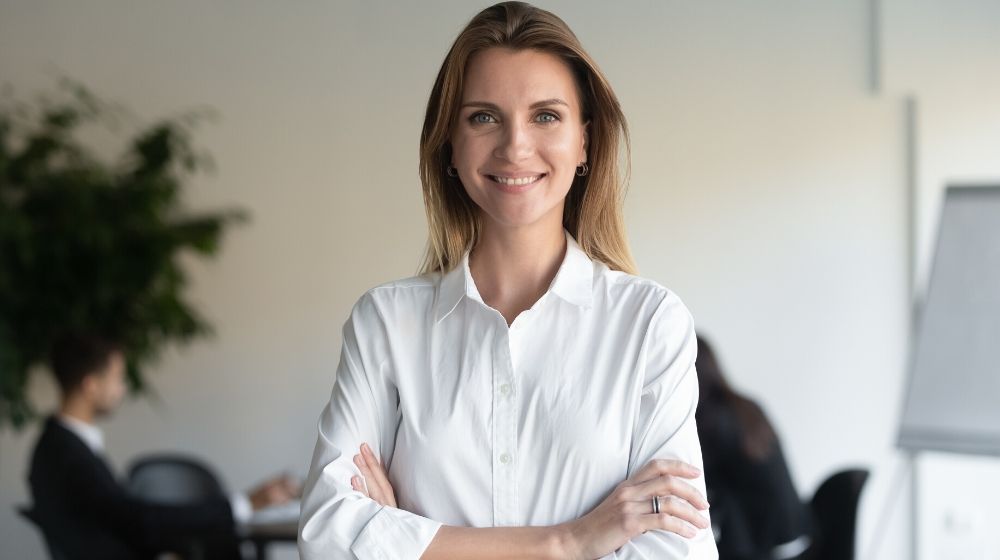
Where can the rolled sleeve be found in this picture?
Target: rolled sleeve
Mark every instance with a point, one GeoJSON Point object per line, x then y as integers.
{"type": "Point", "coordinates": [394, 534]}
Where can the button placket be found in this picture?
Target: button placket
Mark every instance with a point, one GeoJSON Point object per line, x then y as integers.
{"type": "Point", "coordinates": [505, 506]}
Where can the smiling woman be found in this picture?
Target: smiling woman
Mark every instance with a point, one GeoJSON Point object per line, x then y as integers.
{"type": "Point", "coordinates": [527, 395]}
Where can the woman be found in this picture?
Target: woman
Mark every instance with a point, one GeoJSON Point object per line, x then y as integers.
{"type": "Point", "coordinates": [526, 396]}
{"type": "Point", "coordinates": [757, 511]}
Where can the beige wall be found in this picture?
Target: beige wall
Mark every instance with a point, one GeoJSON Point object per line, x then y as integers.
{"type": "Point", "coordinates": [768, 190]}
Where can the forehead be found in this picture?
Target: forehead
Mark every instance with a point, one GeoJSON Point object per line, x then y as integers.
{"type": "Point", "coordinates": [509, 77]}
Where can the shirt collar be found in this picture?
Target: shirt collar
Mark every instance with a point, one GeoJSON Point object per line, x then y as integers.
{"type": "Point", "coordinates": [89, 433]}
{"type": "Point", "coordinates": [573, 281]}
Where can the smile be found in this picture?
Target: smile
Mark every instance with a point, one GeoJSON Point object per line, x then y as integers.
{"type": "Point", "coordinates": [515, 181]}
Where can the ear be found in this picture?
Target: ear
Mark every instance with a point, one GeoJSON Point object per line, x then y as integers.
{"type": "Point", "coordinates": [88, 385]}
{"type": "Point", "coordinates": [586, 141]}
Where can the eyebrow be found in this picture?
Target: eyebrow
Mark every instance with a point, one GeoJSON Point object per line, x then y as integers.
{"type": "Point", "coordinates": [535, 105]}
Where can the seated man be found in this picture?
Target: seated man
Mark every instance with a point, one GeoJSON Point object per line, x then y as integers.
{"type": "Point", "coordinates": [78, 499]}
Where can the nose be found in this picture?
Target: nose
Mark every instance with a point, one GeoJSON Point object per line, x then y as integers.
{"type": "Point", "coordinates": [515, 142]}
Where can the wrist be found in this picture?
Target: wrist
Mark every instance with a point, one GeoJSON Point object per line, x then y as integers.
{"type": "Point", "coordinates": [562, 542]}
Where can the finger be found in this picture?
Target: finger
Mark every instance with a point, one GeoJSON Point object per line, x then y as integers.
{"type": "Point", "coordinates": [381, 479]}
{"type": "Point", "coordinates": [680, 509]}
{"type": "Point", "coordinates": [659, 467]}
{"type": "Point", "coordinates": [373, 490]}
{"type": "Point", "coordinates": [668, 486]}
{"type": "Point", "coordinates": [667, 522]}
{"type": "Point", "coordinates": [358, 485]}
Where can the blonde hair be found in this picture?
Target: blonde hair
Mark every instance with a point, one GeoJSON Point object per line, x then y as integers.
{"type": "Point", "coordinates": [593, 208]}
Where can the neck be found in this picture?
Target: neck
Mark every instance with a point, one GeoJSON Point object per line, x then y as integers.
{"type": "Point", "coordinates": [513, 267]}
{"type": "Point", "coordinates": [78, 409]}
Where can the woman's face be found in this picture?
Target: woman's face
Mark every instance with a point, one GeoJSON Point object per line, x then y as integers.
{"type": "Point", "coordinates": [519, 136]}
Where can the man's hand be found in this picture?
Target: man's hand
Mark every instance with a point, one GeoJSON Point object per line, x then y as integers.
{"type": "Point", "coordinates": [274, 492]}
{"type": "Point", "coordinates": [373, 473]}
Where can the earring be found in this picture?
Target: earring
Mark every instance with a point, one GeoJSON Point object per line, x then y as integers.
{"type": "Point", "coordinates": [582, 169]}
{"type": "Point", "coordinates": [451, 171]}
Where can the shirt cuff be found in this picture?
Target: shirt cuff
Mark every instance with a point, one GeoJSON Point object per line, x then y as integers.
{"type": "Point", "coordinates": [242, 508]}
{"type": "Point", "coordinates": [395, 534]}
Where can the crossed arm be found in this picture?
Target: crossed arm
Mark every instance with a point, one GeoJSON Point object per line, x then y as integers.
{"type": "Point", "coordinates": [339, 520]}
{"type": "Point", "coordinates": [623, 515]}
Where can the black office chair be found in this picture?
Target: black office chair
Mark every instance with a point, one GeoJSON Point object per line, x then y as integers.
{"type": "Point", "coordinates": [835, 511]}
{"type": "Point", "coordinates": [51, 542]}
{"type": "Point", "coordinates": [173, 479]}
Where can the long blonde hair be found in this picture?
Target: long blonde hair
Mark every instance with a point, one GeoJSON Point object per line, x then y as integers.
{"type": "Point", "coordinates": [593, 209]}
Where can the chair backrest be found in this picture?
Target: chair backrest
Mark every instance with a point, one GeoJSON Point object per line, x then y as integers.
{"type": "Point", "coordinates": [835, 511]}
{"type": "Point", "coordinates": [51, 542]}
{"type": "Point", "coordinates": [172, 479]}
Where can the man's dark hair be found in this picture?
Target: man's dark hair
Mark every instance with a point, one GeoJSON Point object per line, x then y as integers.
{"type": "Point", "coordinates": [75, 355]}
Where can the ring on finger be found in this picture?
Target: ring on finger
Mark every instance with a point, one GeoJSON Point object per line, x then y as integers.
{"type": "Point", "coordinates": [656, 504]}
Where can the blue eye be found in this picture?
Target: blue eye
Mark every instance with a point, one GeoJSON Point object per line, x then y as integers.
{"type": "Point", "coordinates": [547, 117]}
{"type": "Point", "coordinates": [481, 118]}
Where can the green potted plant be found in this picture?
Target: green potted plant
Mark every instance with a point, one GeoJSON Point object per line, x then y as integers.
{"type": "Point", "coordinates": [92, 245]}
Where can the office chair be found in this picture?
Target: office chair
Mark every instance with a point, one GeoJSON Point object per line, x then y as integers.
{"type": "Point", "coordinates": [835, 511]}
{"type": "Point", "coordinates": [51, 542]}
{"type": "Point", "coordinates": [173, 479]}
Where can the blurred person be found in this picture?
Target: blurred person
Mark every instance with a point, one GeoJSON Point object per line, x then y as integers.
{"type": "Point", "coordinates": [76, 493]}
{"type": "Point", "coordinates": [527, 395]}
{"type": "Point", "coordinates": [755, 507]}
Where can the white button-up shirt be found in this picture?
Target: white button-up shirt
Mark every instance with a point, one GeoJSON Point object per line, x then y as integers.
{"type": "Point", "coordinates": [486, 425]}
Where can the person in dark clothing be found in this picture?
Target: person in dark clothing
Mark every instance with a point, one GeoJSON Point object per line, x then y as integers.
{"type": "Point", "coordinates": [756, 510]}
{"type": "Point", "coordinates": [82, 507]}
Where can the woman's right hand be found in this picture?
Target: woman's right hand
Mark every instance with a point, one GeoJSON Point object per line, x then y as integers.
{"type": "Point", "coordinates": [628, 511]}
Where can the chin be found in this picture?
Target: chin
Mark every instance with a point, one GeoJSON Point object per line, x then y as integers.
{"type": "Point", "coordinates": [103, 413]}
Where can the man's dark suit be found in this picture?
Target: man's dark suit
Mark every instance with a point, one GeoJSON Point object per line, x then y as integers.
{"type": "Point", "coordinates": [90, 515]}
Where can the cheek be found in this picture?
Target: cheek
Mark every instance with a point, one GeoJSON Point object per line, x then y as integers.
{"type": "Point", "coordinates": [117, 392]}
{"type": "Point", "coordinates": [563, 146]}
{"type": "Point", "coordinates": [466, 151]}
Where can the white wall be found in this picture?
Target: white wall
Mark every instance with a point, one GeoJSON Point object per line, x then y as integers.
{"type": "Point", "coordinates": [768, 190]}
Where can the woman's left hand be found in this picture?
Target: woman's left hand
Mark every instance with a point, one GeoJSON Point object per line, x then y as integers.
{"type": "Point", "coordinates": [374, 481]}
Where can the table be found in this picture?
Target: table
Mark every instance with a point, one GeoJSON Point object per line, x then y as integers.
{"type": "Point", "coordinates": [263, 535]}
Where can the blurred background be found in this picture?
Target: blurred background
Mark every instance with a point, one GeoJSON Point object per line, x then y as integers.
{"type": "Point", "coordinates": [788, 164]}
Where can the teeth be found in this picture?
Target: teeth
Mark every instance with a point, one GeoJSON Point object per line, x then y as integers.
{"type": "Point", "coordinates": [513, 181]}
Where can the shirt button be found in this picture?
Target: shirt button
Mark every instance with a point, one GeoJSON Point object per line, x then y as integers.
{"type": "Point", "coordinates": [505, 388]}
{"type": "Point", "coordinates": [505, 458]}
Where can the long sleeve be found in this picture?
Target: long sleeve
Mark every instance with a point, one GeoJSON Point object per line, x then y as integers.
{"type": "Point", "coordinates": [337, 521]}
{"type": "Point", "coordinates": [665, 426]}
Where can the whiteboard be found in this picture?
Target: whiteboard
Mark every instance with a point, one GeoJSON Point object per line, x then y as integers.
{"type": "Point", "coordinates": [952, 402]}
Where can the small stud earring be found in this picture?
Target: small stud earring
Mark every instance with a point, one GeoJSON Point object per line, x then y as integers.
{"type": "Point", "coordinates": [582, 169]}
{"type": "Point", "coordinates": [451, 171]}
